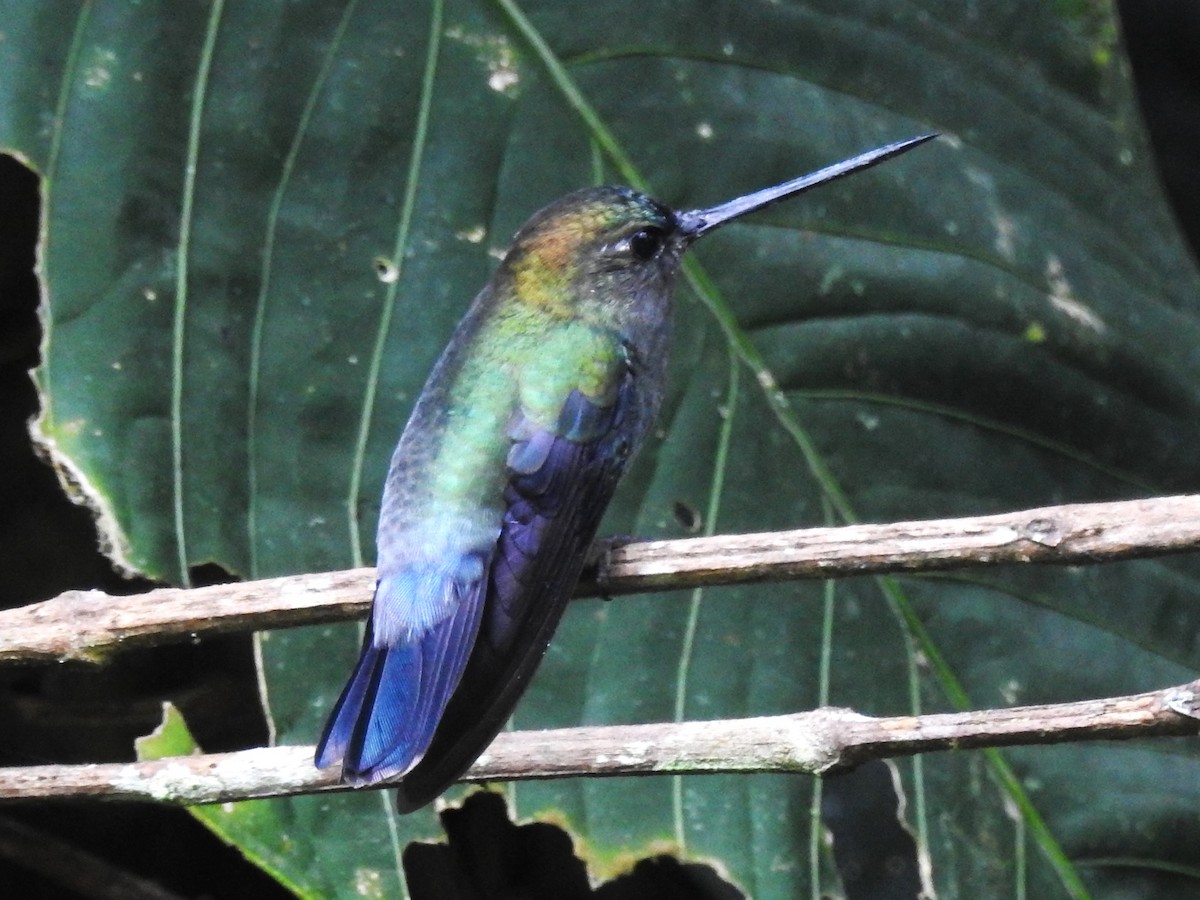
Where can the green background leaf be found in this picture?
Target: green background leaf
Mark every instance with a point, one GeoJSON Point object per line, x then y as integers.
{"type": "Point", "coordinates": [171, 738]}
{"type": "Point", "coordinates": [1006, 318]}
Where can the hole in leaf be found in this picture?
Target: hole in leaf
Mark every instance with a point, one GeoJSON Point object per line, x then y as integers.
{"type": "Point", "coordinates": [873, 849]}
{"type": "Point", "coordinates": [386, 270]}
{"type": "Point", "coordinates": [488, 857]}
{"type": "Point", "coordinates": [666, 878]}
{"type": "Point", "coordinates": [688, 517]}
{"type": "Point", "coordinates": [210, 573]}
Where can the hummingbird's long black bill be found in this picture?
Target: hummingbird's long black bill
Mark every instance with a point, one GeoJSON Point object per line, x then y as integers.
{"type": "Point", "coordinates": [696, 222]}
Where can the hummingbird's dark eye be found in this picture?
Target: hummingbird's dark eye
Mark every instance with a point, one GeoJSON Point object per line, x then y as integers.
{"type": "Point", "coordinates": [646, 243]}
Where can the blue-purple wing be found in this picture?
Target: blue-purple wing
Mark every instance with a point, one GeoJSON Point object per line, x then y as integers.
{"type": "Point", "coordinates": [561, 482]}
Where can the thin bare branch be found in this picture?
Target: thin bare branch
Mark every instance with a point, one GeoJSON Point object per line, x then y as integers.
{"type": "Point", "coordinates": [818, 742]}
{"type": "Point", "coordinates": [89, 625]}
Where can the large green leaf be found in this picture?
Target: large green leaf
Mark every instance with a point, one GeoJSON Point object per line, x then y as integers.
{"type": "Point", "coordinates": [263, 219]}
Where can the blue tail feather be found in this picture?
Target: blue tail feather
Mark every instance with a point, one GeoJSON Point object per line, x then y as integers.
{"type": "Point", "coordinates": [387, 713]}
{"type": "Point", "coordinates": [338, 730]}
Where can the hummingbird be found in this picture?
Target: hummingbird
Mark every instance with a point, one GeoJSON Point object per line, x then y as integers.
{"type": "Point", "coordinates": [510, 457]}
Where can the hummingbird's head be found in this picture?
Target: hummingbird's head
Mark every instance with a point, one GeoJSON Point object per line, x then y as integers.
{"type": "Point", "coordinates": [595, 250]}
